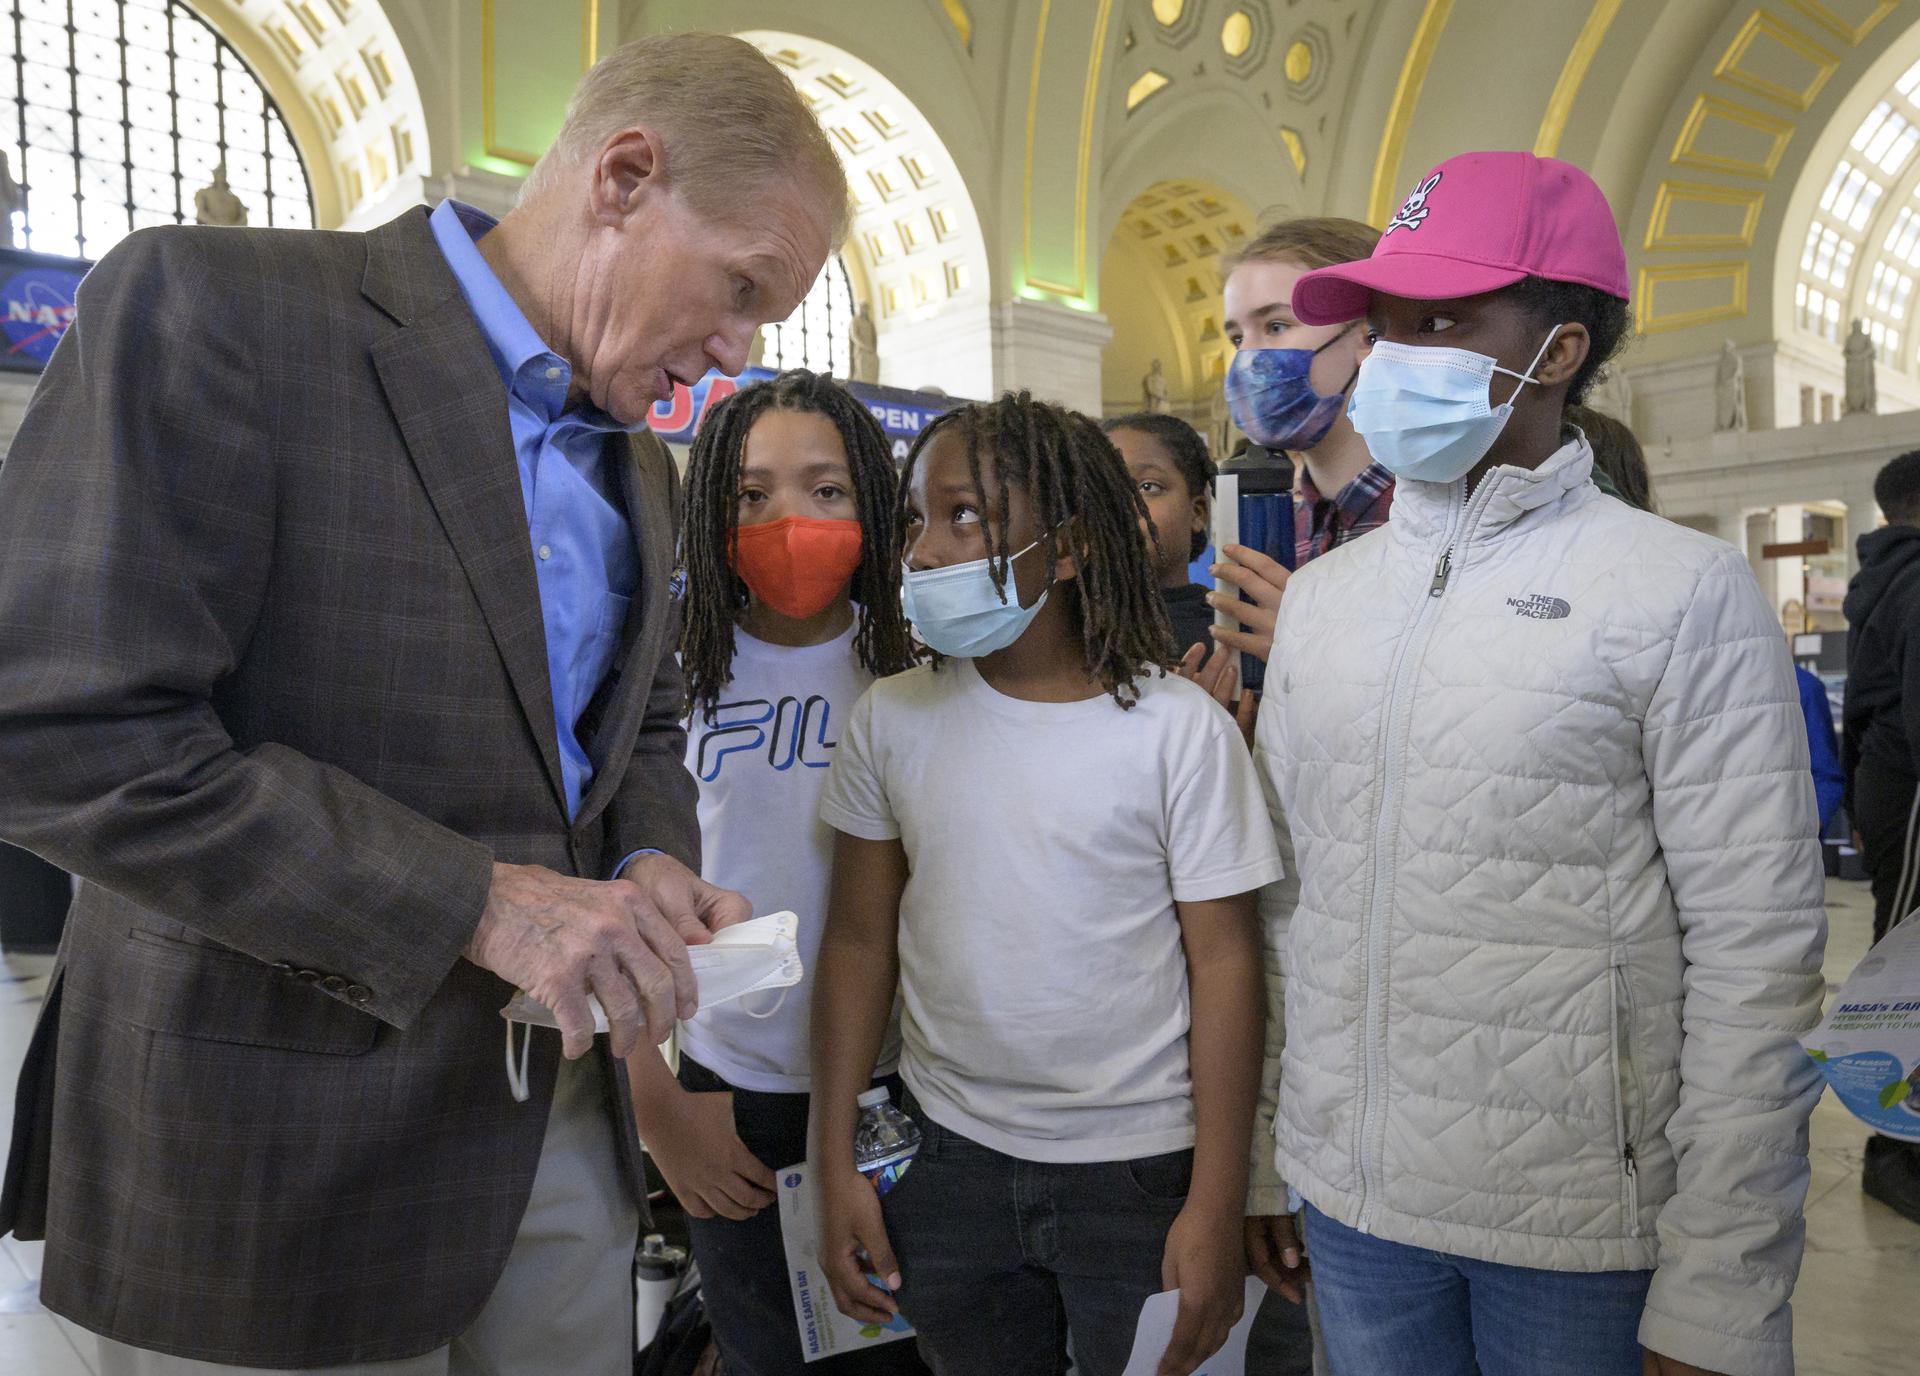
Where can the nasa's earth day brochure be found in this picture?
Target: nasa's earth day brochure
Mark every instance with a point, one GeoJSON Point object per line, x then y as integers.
{"type": "Point", "coordinates": [1868, 1045]}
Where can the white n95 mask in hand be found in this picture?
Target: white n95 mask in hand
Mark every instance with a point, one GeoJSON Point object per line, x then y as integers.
{"type": "Point", "coordinates": [747, 958]}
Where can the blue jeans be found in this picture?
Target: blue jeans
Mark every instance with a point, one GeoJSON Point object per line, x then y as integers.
{"type": "Point", "coordinates": [1000, 1259]}
{"type": "Point", "coordinates": [1387, 1309]}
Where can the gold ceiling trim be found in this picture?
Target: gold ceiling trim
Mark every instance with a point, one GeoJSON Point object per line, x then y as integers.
{"type": "Point", "coordinates": [1406, 95]}
{"type": "Point", "coordinates": [1646, 296]}
{"type": "Point", "coordinates": [1567, 89]}
{"type": "Point", "coordinates": [1089, 109]}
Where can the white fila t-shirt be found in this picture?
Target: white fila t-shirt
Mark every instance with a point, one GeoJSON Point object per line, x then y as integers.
{"type": "Point", "coordinates": [1041, 969]}
{"type": "Point", "coordinates": [761, 767]}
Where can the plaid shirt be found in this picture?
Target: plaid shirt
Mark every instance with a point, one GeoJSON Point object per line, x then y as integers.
{"type": "Point", "coordinates": [1319, 523]}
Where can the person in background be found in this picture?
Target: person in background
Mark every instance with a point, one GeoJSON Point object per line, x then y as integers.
{"type": "Point", "coordinates": [1561, 909]}
{"type": "Point", "coordinates": [791, 552]}
{"type": "Point", "coordinates": [1619, 463]}
{"type": "Point", "coordinates": [1169, 464]}
{"type": "Point", "coordinates": [1823, 745]}
{"type": "Point", "coordinates": [1287, 388]}
{"type": "Point", "coordinates": [1880, 746]}
{"type": "Point", "coordinates": [1049, 846]}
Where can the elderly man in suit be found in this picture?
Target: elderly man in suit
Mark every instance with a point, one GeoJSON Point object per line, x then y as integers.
{"type": "Point", "coordinates": [337, 659]}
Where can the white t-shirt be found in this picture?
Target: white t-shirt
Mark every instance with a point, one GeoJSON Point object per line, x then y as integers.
{"type": "Point", "coordinates": [761, 767]}
{"type": "Point", "coordinates": [1043, 979]}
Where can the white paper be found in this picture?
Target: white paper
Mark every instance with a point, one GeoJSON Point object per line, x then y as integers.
{"type": "Point", "coordinates": [824, 1330]}
{"type": "Point", "coordinates": [1156, 1331]}
{"type": "Point", "coordinates": [1868, 1045]}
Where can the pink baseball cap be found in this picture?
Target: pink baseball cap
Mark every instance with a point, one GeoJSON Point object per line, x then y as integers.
{"type": "Point", "coordinates": [1475, 224]}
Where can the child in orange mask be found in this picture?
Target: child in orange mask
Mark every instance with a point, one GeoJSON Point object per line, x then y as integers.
{"type": "Point", "coordinates": [790, 551]}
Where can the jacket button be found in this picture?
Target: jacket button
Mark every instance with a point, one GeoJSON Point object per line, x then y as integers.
{"type": "Point", "coordinates": [307, 976]}
{"type": "Point", "coordinates": [287, 968]}
{"type": "Point", "coordinates": [358, 993]}
{"type": "Point", "coordinates": [334, 984]}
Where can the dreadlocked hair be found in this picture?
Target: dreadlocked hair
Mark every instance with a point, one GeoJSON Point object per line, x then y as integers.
{"type": "Point", "coordinates": [710, 520]}
{"type": "Point", "coordinates": [1071, 473]}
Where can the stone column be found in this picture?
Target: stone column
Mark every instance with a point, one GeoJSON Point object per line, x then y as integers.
{"type": "Point", "coordinates": [1863, 515]}
{"type": "Point", "coordinates": [1051, 350]}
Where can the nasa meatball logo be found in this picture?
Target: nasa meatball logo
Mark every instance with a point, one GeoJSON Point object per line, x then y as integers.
{"type": "Point", "coordinates": [38, 303]}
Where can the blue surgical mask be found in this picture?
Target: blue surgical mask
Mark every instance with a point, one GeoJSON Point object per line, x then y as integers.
{"type": "Point", "coordinates": [1273, 402]}
{"type": "Point", "coordinates": [1427, 414]}
{"type": "Point", "coordinates": [960, 614]}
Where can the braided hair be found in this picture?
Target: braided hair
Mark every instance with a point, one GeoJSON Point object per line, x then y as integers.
{"type": "Point", "coordinates": [1071, 473]}
{"type": "Point", "coordinates": [710, 520]}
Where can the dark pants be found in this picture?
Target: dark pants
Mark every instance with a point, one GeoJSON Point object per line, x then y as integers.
{"type": "Point", "coordinates": [1281, 1340]}
{"type": "Point", "coordinates": [1002, 1259]}
{"type": "Point", "coordinates": [743, 1266]}
{"type": "Point", "coordinates": [1886, 813]}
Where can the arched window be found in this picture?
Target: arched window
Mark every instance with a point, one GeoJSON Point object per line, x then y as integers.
{"type": "Point", "coordinates": [123, 109]}
{"type": "Point", "coordinates": [818, 335]}
{"type": "Point", "coordinates": [1862, 252]}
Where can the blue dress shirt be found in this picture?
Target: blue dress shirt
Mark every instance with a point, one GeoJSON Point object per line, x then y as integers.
{"type": "Point", "coordinates": [583, 549]}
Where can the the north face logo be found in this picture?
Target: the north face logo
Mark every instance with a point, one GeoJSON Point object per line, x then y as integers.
{"type": "Point", "coordinates": [1414, 210]}
{"type": "Point", "coordinates": [1540, 608]}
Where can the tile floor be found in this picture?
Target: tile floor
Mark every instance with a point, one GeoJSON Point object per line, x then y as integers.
{"type": "Point", "coordinates": [1856, 1310]}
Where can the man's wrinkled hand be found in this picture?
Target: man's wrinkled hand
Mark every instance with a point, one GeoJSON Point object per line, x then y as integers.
{"type": "Point", "coordinates": [624, 941]}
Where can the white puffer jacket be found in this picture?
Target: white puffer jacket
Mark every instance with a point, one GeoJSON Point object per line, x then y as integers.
{"type": "Point", "coordinates": [1546, 775]}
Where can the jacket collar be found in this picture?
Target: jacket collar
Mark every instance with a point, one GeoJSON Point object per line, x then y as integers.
{"type": "Point", "coordinates": [1424, 512]}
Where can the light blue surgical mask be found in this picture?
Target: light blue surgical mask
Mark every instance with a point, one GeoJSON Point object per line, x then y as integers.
{"type": "Point", "coordinates": [960, 614]}
{"type": "Point", "coordinates": [1427, 414]}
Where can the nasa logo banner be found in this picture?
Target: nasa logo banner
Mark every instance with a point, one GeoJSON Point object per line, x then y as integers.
{"type": "Point", "coordinates": [36, 305]}
{"type": "Point", "coordinates": [902, 414]}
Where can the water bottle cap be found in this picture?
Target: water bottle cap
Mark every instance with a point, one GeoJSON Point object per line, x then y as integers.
{"type": "Point", "coordinates": [876, 1095]}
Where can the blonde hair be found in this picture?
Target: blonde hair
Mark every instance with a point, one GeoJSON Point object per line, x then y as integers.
{"type": "Point", "coordinates": [728, 117]}
{"type": "Point", "coordinates": [1320, 241]}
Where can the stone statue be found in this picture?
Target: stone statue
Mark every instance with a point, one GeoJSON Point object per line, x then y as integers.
{"type": "Point", "coordinates": [865, 363]}
{"type": "Point", "coordinates": [757, 351]}
{"type": "Point", "coordinates": [1862, 395]}
{"type": "Point", "coordinates": [1154, 394]}
{"type": "Point", "coordinates": [1219, 423]}
{"type": "Point", "coordinates": [10, 201]}
{"type": "Point", "coordinates": [216, 204]}
{"type": "Point", "coordinates": [1730, 390]}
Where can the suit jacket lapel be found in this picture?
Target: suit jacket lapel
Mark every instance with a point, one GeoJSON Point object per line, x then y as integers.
{"type": "Point", "coordinates": [447, 396]}
{"type": "Point", "coordinates": [646, 484]}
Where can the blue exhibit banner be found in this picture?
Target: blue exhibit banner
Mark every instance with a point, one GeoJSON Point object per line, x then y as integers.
{"type": "Point", "coordinates": [902, 414]}
{"type": "Point", "coordinates": [36, 305]}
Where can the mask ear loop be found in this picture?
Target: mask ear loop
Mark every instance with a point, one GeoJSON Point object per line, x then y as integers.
{"type": "Point", "coordinates": [517, 1075]}
{"type": "Point", "coordinates": [778, 1002]}
{"type": "Point", "coordinates": [1528, 376]}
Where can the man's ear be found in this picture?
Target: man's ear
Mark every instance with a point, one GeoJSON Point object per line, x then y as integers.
{"type": "Point", "coordinates": [630, 169]}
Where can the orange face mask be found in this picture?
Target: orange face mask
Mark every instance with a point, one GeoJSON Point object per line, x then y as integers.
{"type": "Point", "coordinates": [797, 565]}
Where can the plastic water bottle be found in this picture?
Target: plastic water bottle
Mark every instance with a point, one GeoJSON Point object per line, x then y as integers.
{"type": "Point", "coordinates": [884, 1142]}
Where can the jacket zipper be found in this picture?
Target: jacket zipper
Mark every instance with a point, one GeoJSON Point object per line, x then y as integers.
{"type": "Point", "coordinates": [1626, 1075]}
{"type": "Point", "coordinates": [1410, 654]}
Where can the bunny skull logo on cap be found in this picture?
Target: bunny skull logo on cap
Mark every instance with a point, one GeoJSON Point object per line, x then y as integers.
{"type": "Point", "coordinates": [1414, 211]}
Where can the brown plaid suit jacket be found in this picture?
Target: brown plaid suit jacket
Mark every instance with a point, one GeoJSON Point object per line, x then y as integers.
{"type": "Point", "coordinates": [273, 682]}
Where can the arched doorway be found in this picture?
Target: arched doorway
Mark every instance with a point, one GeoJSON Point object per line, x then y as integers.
{"type": "Point", "coordinates": [915, 257]}
{"type": "Point", "coordinates": [1160, 283]}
